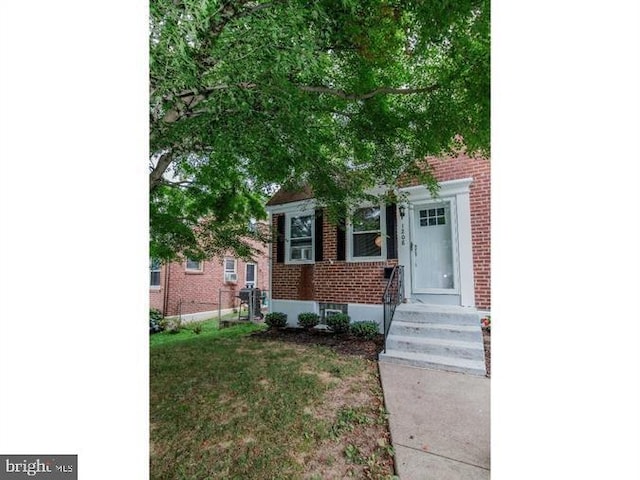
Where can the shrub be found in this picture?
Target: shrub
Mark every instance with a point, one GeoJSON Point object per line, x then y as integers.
{"type": "Point", "coordinates": [339, 322]}
{"type": "Point", "coordinates": [276, 319]}
{"type": "Point", "coordinates": [308, 319]}
{"type": "Point", "coordinates": [173, 325]}
{"type": "Point", "coordinates": [367, 330]}
{"type": "Point", "coordinates": [155, 321]}
{"type": "Point", "coordinates": [196, 327]}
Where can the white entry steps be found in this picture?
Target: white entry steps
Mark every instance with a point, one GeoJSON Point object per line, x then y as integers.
{"type": "Point", "coordinates": [437, 337]}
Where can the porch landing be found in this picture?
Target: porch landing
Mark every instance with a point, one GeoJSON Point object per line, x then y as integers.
{"type": "Point", "coordinates": [438, 337]}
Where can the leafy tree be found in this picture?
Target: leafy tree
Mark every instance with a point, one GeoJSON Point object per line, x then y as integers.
{"type": "Point", "coordinates": [343, 95]}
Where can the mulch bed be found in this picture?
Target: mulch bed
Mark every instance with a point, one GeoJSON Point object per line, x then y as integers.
{"type": "Point", "coordinates": [341, 343]}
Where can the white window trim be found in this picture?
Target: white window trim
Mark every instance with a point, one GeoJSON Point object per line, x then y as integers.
{"type": "Point", "coordinates": [383, 235]}
{"type": "Point", "coordinates": [159, 270]}
{"type": "Point", "coordinates": [226, 272]}
{"type": "Point", "coordinates": [255, 274]}
{"type": "Point", "coordinates": [200, 269]}
{"type": "Point", "coordinates": [287, 237]}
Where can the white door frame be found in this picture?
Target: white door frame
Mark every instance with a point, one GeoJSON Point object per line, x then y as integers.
{"type": "Point", "coordinates": [458, 192]}
{"type": "Point", "coordinates": [413, 209]}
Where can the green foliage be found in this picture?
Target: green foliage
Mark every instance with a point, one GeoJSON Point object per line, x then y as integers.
{"type": "Point", "coordinates": [210, 331]}
{"type": "Point", "coordinates": [352, 452]}
{"type": "Point", "coordinates": [196, 327]}
{"type": "Point", "coordinates": [155, 321]}
{"type": "Point", "coordinates": [173, 325]}
{"type": "Point", "coordinates": [245, 96]}
{"type": "Point", "coordinates": [348, 418]}
{"type": "Point", "coordinates": [367, 330]}
{"type": "Point", "coordinates": [276, 319]}
{"type": "Point", "coordinates": [485, 323]}
{"type": "Point", "coordinates": [308, 319]}
{"type": "Point", "coordinates": [339, 322]}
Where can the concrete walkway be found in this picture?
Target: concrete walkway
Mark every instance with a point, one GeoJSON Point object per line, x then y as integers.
{"type": "Point", "coordinates": [439, 422]}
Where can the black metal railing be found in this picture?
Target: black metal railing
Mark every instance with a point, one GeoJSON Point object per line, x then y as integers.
{"type": "Point", "coordinates": [393, 296]}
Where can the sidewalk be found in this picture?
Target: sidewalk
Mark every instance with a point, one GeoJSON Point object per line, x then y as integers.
{"type": "Point", "coordinates": [439, 422]}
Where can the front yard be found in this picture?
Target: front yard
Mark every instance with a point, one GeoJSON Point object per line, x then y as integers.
{"type": "Point", "coordinates": [226, 404]}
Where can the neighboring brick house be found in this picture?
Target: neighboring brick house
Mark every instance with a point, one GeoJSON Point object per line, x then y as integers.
{"type": "Point", "coordinates": [443, 243]}
{"type": "Point", "coordinates": [191, 287]}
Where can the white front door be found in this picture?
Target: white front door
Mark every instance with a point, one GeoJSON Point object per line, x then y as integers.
{"type": "Point", "coordinates": [434, 255]}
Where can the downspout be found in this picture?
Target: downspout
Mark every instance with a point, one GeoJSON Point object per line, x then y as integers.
{"type": "Point", "coordinates": [165, 302]}
{"type": "Point", "coordinates": [270, 263]}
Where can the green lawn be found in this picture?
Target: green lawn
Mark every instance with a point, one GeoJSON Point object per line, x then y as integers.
{"type": "Point", "coordinates": [209, 330]}
{"type": "Point", "coordinates": [225, 405]}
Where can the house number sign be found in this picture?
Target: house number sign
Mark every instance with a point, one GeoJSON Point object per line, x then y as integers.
{"type": "Point", "coordinates": [402, 235]}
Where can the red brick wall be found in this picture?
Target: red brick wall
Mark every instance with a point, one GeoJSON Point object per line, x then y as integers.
{"type": "Point", "coordinates": [192, 292]}
{"type": "Point", "coordinates": [346, 282]}
{"type": "Point", "coordinates": [480, 192]}
{"type": "Point", "coordinates": [332, 281]}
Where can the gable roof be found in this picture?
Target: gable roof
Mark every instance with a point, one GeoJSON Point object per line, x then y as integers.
{"type": "Point", "coordinates": [288, 196]}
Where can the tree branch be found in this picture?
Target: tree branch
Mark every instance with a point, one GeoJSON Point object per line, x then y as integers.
{"type": "Point", "coordinates": [191, 98]}
{"type": "Point", "coordinates": [182, 183]}
{"type": "Point", "coordinates": [372, 93]}
{"type": "Point", "coordinates": [155, 176]}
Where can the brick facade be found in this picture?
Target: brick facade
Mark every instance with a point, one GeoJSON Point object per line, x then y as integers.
{"type": "Point", "coordinates": [184, 292]}
{"type": "Point", "coordinates": [330, 280]}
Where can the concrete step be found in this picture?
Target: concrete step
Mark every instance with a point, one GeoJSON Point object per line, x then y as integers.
{"type": "Point", "coordinates": [450, 315]}
{"type": "Point", "coordinates": [436, 330]}
{"type": "Point", "coordinates": [437, 346]}
{"type": "Point", "coordinates": [436, 362]}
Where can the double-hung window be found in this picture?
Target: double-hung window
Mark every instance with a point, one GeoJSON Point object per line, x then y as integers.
{"type": "Point", "coordinates": [154, 270]}
{"type": "Point", "coordinates": [300, 230]}
{"type": "Point", "coordinates": [366, 234]}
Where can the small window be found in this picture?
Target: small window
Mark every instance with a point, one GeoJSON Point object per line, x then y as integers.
{"type": "Point", "coordinates": [328, 309]}
{"type": "Point", "coordinates": [154, 269]}
{"type": "Point", "coordinates": [230, 270]}
{"type": "Point", "coordinates": [193, 265]}
{"type": "Point", "coordinates": [301, 238]}
{"type": "Point", "coordinates": [366, 233]}
{"type": "Point", "coordinates": [432, 216]}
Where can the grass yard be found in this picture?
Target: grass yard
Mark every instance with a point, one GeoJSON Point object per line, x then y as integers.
{"type": "Point", "coordinates": [226, 405]}
{"type": "Point", "coordinates": [207, 329]}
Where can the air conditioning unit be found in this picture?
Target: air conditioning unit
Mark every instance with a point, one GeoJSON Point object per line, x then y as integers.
{"type": "Point", "coordinates": [230, 277]}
